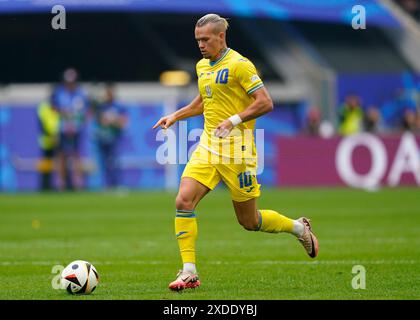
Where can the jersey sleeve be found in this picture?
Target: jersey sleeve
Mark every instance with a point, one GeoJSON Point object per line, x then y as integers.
{"type": "Point", "coordinates": [247, 76]}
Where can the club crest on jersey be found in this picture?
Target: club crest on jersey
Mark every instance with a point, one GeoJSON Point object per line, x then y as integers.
{"type": "Point", "coordinates": [209, 93]}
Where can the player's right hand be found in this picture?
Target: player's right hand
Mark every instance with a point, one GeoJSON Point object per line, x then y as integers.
{"type": "Point", "coordinates": [165, 122]}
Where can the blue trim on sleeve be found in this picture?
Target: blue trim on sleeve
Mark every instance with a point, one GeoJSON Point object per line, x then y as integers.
{"type": "Point", "coordinates": [255, 88]}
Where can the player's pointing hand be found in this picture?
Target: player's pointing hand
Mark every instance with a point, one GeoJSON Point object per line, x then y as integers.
{"type": "Point", "coordinates": [165, 122]}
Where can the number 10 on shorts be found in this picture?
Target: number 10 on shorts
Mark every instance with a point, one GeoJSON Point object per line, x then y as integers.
{"type": "Point", "coordinates": [245, 179]}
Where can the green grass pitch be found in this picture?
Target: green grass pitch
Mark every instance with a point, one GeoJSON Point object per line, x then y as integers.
{"type": "Point", "coordinates": [129, 237]}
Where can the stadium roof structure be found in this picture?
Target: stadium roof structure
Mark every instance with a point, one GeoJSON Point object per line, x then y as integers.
{"type": "Point", "coordinates": [337, 11]}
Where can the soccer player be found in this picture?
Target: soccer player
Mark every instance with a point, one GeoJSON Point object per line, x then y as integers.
{"type": "Point", "coordinates": [231, 96]}
{"type": "Point", "coordinates": [111, 119]}
{"type": "Point", "coordinates": [72, 104]}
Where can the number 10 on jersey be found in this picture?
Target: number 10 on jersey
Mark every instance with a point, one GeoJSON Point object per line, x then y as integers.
{"type": "Point", "coordinates": [222, 76]}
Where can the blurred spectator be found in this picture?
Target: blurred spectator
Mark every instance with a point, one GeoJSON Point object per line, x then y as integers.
{"type": "Point", "coordinates": [351, 115]}
{"type": "Point", "coordinates": [313, 121]}
{"type": "Point", "coordinates": [72, 105]}
{"type": "Point", "coordinates": [110, 119]}
{"type": "Point", "coordinates": [372, 119]}
{"type": "Point", "coordinates": [418, 122]}
{"type": "Point", "coordinates": [409, 121]}
{"type": "Point", "coordinates": [407, 101]}
{"type": "Point", "coordinates": [49, 124]}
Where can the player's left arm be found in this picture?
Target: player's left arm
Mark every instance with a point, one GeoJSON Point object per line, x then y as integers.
{"type": "Point", "coordinates": [262, 104]}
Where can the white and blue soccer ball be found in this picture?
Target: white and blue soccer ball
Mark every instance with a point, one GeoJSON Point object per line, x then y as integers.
{"type": "Point", "coordinates": [79, 277]}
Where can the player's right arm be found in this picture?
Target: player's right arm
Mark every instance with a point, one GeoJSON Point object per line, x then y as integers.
{"type": "Point", "coordinates": [195, 108]}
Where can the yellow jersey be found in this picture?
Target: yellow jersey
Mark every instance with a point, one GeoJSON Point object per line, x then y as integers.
{"type": "Point", "coordinates": [225, 86]}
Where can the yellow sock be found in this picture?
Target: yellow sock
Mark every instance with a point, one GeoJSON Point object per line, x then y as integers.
{"type": "Point", "coordinates": [274, 222]}
{"type": "Point", "coordinates": [186, 234]}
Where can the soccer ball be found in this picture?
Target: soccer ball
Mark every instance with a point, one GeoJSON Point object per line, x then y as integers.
{"type": "Point", "coordinates": [79, 277]}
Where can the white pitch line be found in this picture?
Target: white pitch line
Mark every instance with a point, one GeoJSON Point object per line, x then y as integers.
{"type": "Point", "coordinates": [335, 262]}
{"type": "Point", "coordinates": [262, 262]}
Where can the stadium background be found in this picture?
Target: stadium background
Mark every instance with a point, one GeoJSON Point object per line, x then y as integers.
{"type": "Point", "coordinates": [308, 55]}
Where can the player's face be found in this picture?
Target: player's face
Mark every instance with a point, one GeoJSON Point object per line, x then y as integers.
{"type": "Point", "coordinates": [209, 42]}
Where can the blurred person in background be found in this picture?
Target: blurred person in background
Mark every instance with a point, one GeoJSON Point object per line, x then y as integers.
{"type": "Point", "coordinates": [372, 120]}
{"type": "Point", "coordinates": [418, 122]}
{"type": "Point", "coordinates": [72, 104]}
{"type": "Point", "coordinates": [49, 124]}
{"type": "Point", "coordinates": [313, 121]}
{"type": "Point", "coordinates": [110, 121]}
{"type": "Point", "coordinates": [351, 116]}
{"type": "Point", "coordinates": [409, 120]}
{"type": "Point", "coordinates": [406, 102]}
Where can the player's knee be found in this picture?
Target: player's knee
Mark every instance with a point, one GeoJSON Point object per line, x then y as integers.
{"type": "Point", "coordinates": [183, 203]}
